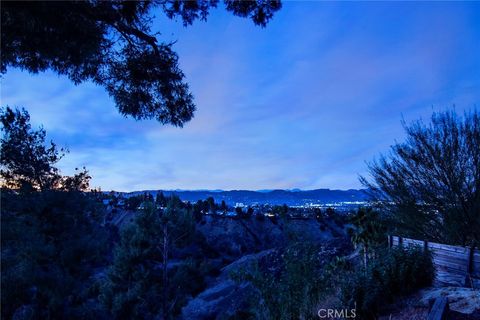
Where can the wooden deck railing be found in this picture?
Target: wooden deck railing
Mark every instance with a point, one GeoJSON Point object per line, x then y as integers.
{"type": "Point", "coordinates": [449, 261]}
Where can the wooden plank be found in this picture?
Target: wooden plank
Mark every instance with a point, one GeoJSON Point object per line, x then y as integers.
{"type": "Point", "coordinates": [452, 266]}
{"type": "Point", "coordinates": [431, 245]}
{"type": "Point", "coordinates": [460, 262]}
{"type": "Point", "coordinates": [447, 247]}
{"type": "Point", "coordinates": [476, 263]}
{"type": "Point", "coordinates": [439, 310]}
{"type": "Point", "coordinates": [459, 251]}
{"type": "Point", "coordinates": [447, 257]}
{"type": "Point", "coordinates": [476, 266]}
{"type": "Point", "coordinates": [447, 262]}
{"type": "Point", "coordinates": [436, 244]}
{"type": "Point", "coordinates": [446, 277]}
{"type": "Point", "coordinates": [407, 241]}
{"type": "Point", "coordinates": [456, 255]}
{"type": "Point", "coordinates": [476, 270]}
{"type": "Point", "coordinates": [476, 257]}
{"type": "Point", "coordinates": [444, 269]}
{"type": "Point", "coordinates": [450, 271]}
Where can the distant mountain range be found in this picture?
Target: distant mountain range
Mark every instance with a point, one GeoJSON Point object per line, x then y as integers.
{"type": "Point", "coordinates": [294, 197]}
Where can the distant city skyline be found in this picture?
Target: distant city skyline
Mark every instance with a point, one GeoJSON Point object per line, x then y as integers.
{"type": "Point", "coordinates": [302, 103]}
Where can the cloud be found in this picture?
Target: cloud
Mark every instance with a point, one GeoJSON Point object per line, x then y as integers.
{"type": "Point", "coordinates": [300, 104]}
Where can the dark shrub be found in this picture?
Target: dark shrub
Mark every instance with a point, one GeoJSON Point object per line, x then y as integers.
{"type": "Point", "coordinates": [288, 286]}
{"type": "Point", "coordinates": [395, 272]}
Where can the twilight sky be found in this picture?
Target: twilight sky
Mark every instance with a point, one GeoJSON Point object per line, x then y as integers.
{"type": "Point", "coordinates": [302, 103]}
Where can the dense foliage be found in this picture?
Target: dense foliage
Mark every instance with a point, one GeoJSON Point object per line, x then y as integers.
{"type": "Point", "coordinates": [51, 235]}
{"type": "Point", "coordinates": [111, 44]}
{"type": "Point", "coordinates": [56, 247]}
{"type": "Point", "coordinates": [293, 290]}
{"type": "Point", "coordinates": [395, 272]}
{"type": "Point", "coordinates": [368, 232]}
{"type": "Point", "coordinates": [50, 244]}
{"type": "Point", "coordinates": [301, 279]}
{"type": "Point", "coordinates": [51, 241]}
{"type": "Point", "coordinates": [139, 283]}
{"type": "Point", "coordinates": [429, 185]}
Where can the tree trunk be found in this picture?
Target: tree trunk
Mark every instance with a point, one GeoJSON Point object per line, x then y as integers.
{"type": "Point", "coordinates": [165, 271]}
{"type": "Point", "coordinates": [365, 257]}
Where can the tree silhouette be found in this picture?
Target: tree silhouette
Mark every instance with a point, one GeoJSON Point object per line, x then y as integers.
{"type": "Point", "coordinates": [429, 185]}
{"type": "Point", "coordinates": [139, 284]}
{"type": "Point", "coordinates": [27, 162]}
{"type": "Point", "coordinates": [51, 233]}
{"type": "Point", "coordinates": [111, 44]}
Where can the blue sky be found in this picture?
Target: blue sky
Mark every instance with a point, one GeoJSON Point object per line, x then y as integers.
{"type": "Point", "coordinates": [302, 103]}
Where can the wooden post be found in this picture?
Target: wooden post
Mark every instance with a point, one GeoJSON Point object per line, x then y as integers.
{"type": "Point", "coordinates": [425, 245]}
{"type": "Point", "coordinates": [468, 276]}
{"type": "Point", "coordinates": [439, 310]}
{"type": "Point", "coordinates": [470, 260]}
{"type": "Point", "coordinates": [400, 241]}
{"type": "Point", "coordinates": [390, 241]}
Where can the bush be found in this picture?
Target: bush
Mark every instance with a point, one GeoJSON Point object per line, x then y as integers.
{"type": "Point", "coordinates": [188, 279]}
{"type": "Point", "coordinates": [50, 247]}
{"type": "Point", "coordinates": [289, 287]}
{"type": "Point", "coordinates": [397, 271]}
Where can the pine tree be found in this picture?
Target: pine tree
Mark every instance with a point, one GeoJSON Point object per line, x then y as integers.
{"type": "Point", "coordinates": [139, 281]}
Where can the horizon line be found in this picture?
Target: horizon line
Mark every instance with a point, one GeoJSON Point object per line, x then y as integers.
{"type": "Point", "coordinates": [230, 190]}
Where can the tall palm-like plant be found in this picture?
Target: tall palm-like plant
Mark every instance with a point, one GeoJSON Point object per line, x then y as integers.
{"type": "Point", "coordinates": [368, 232]}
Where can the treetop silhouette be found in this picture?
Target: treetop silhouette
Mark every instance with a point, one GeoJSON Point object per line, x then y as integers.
{"type": "Point", "coordinates": [111, 44]}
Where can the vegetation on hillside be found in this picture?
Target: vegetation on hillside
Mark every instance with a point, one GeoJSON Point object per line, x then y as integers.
{"type": "Point", "coordinates": [51, 236]}
{"type": "Point", "coordinates": [61, 260]}
{"type": "Point", "coordinates": [55, 247]}
{"type": "Point", "coordinates": [289, 286]}
{"type": "Point", "coordinates": [393, 273]}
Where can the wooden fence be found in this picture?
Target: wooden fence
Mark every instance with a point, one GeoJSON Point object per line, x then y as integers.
{"type": "Point", "coordinates": [453, 263]}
